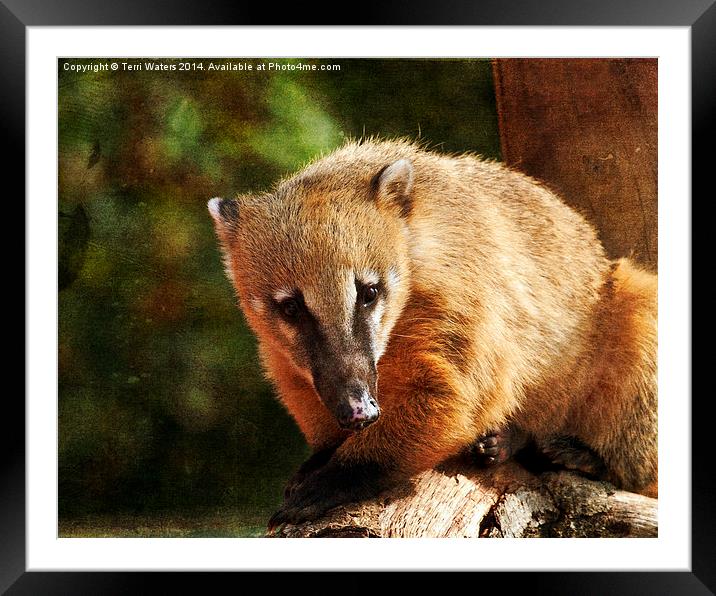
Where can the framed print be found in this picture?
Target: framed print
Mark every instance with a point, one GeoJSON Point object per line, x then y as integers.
{"type": "Point", "coordinates": [147, 412]}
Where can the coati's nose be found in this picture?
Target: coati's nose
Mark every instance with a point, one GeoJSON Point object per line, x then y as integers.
{"type": "Point", "coordinates": [359, 410]}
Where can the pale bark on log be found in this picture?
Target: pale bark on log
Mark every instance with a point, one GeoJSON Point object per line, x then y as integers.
{"type": "Point", "coordinates": [459, 500]}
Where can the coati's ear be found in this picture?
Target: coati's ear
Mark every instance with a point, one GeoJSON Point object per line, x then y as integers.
{"type": "Point", "coordinates": [225, 213]}
{"type": "Point", "coordinates": [394, 183]}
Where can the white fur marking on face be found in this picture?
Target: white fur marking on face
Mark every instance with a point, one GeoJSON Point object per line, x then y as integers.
{"type": "Point", "coordinates": [375, 335]}
{"type": "Point", "coordinates": [368, 277]}
{"type": "Point", "coordinates": [393, 279]}
{"type": "Point", "coordinates": [256, 304]}
{"type": "Point", "coordinates": [281, 295]}
{"type": "Point", "coordinates": [350, 295]}
{"type": "Point", "coordinates": [350, 287]}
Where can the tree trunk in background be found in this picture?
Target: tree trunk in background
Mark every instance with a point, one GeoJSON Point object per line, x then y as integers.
{"type": "Point", "coordinates": [588, 128]}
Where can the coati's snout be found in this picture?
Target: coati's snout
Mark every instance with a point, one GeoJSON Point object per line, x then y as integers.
{"type": "Point", "coordinates": [351, 399]}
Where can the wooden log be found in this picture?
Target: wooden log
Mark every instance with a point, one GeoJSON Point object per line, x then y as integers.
{"type": "Point", "coordinates": [460, 500]}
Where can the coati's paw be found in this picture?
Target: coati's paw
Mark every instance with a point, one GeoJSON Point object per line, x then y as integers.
{"type": "Point", "coordinates": [498, 446]}
{"type": "Point", "coordinates": [296, 511]}
{"type": "Point", "coordinates": [486, 450]}
{"type": "Point", "coordinates": [572, 454]}
{"type": "Point", "coordinates": [334, 484]}
{"type": "Point", "coordinates": [317, 460]}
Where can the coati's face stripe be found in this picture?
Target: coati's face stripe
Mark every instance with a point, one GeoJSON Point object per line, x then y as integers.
{"type": "Point", "coordinates": [349, 324]}
{"type": "Point", "coordinates": [378, 342]}
{"type": "Point", "coordinates": [334, 306]}
{"type": "Point", "coordinates": [336, 343]}
{"type": "Point", "coordinates": [341, 323]}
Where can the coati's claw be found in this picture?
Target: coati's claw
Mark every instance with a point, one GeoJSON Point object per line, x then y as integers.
{"type": "Point", "coordinates": [304, 504]}
{"type": "Point", "coordinates": [293, 515]}
{"type": "Point", "coordinates": [272, 528]}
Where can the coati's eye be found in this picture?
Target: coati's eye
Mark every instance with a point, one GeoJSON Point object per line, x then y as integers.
{"type": "Point", "coordinates": [369, 294]}
{"type": "Point", "coordinates": [289, 308]}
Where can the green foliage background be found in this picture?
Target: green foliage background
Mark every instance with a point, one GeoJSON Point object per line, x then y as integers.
{"type": "Point", "coordinates": [163, 409]}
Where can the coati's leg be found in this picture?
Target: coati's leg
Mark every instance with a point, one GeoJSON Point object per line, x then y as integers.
{"type": "Point", "coordinates": [335, 483]}
{"type": "Point", "coordinates": [617, 416]}
{"type": "Point", "coordinates": [317, 460]}
{"type": "Point", "coordinates": [402, 442]}
{"type": "Point", "coordinates": [572, 454]}
{"type": "Point", "coordinates": [498, 446]}
{"type": "Point", "coordinates": [316, 423]}
{"type": "Point", "coordinates": [567, 452]}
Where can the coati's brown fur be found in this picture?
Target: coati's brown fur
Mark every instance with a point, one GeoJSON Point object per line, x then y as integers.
{"type": "Point", "coordinates": [506, 313]}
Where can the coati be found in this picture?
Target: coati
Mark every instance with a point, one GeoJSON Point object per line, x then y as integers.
{"type": "Point", "coordinates": [411, 305]}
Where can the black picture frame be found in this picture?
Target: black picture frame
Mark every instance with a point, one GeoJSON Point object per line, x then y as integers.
{"type": "Point", "coordinates": [17, 15]}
